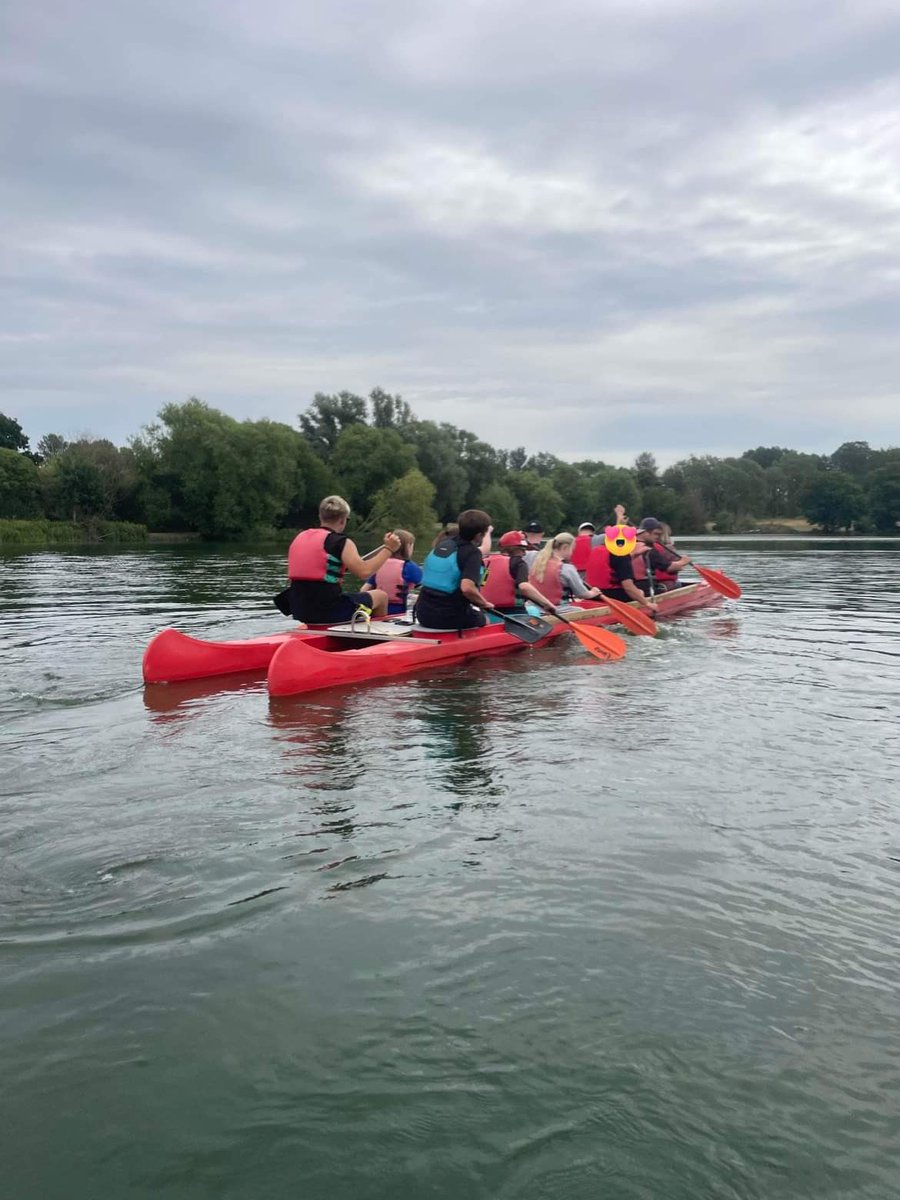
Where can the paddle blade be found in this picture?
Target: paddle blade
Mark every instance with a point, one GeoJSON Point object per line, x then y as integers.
{"type": "Point", "coordinates": [718, 582]}
{"type": "Point", "coordinates": [602, 643]}
{"type": "Point", "coordinates": [526, 629]}
{"type": "Point", "coordinates": [631, 618]}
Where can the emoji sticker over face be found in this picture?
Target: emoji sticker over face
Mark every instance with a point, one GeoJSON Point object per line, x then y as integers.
{"type": "Point", "coordinates": [620, 539]}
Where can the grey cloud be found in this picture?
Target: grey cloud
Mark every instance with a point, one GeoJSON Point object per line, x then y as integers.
{"type": "Point", "coordinates": [588, 228]}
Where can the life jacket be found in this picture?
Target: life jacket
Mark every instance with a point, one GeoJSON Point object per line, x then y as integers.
{"type": "Point", "coordinates": [639, 566]}
{"type": "Point", "coordinates": [499, 587]}
{"type": "Point", "coordinates": [599, 572]}
{"type": "Point", "coordinates": [550, 586]}
{"type": "Point", "coordinates": [581, 551]}
{"type": "Point", "coordinates": [660, 574]}
{"type": "Point", "coordinates": [440, 571]}
{"type": "Point", "coordinates": [308, 559]}
{"type": "Point", "coordinates": [390, 579]}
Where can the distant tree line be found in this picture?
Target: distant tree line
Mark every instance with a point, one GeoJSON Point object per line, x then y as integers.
{"type": "Point", "coordinates": [198, 470]}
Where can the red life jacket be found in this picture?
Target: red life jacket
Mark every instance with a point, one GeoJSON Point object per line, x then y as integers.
{"type": "Point", "coordinates": [308, 559]}
{"type": "Point", "coordinates": [551, 585]}
{"type": "Point", "coordinates": [499, 587]}
{"type": "Point", "coordinates": [390, 579]}
{"type": "Point", "coordinates": [639, 566]}
{"type": "Point", "coordinates": [660, 574]}
{"type": "Point", "coordinates": [581, 551]}
{"type": "Point", "coordinates": [599, 572]}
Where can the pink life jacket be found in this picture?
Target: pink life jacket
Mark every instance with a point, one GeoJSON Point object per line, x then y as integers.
{"type": "Point", "coordinates": [581, 552]}
{"type": "Point", "coordinates": [550, 586]}
{"type": "Point", "coordinates": [389, 578]}
{"type": "Point", "coordinates": [308, 559]}
{"type": "Point", "coordinates": [499, 586]}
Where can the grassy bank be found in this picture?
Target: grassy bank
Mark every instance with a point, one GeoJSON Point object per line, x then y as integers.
{"type": "Point", "coordinates": [70, 533]}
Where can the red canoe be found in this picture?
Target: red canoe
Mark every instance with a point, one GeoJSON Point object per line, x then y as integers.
{"type": "Point", "coordinates": [324, 660]}
{"type": "Point", "coordinates": [173, 657]}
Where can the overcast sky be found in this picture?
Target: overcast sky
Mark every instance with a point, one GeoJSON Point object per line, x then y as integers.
{"type": "Point", "coordinates": [588, 227]}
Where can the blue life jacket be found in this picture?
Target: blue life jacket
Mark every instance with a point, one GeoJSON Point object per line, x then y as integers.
{"type": "Point", "coordinates": [440, 571]}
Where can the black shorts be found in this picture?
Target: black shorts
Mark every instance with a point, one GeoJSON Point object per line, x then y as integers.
{"type": "Point", "coordinates": [441, 618]}
{"type": "Point", "coordinates": [337, 613]}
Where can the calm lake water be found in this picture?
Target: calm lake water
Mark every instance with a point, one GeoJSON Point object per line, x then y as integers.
{"type": "Point", "coordinates": [535, 927]}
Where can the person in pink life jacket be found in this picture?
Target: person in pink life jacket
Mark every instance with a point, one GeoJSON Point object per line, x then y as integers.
{"type": "Point", "coordinates": [555, 575]}
{"type": "Point", "coordinates": [317, 560]}
{"type": "Point", "coordinates": [398, 575]}
{"type": "Point", "coordinates": [506, 585]}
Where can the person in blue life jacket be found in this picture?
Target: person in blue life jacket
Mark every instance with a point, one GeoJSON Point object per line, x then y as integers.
{"type": "Point", "coordinates": [450, 597]}
{"type": "Point", "coordinates": [317, 560]}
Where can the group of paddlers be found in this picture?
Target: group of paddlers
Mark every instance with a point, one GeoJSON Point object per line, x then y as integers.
{"type": "Point", "coordinates": [463, 579]}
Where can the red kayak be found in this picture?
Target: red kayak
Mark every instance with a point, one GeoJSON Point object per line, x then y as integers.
{"type": "Point", "coordinates": [172, 657]}
{"type": "Point", "coordinates": [334, 660]}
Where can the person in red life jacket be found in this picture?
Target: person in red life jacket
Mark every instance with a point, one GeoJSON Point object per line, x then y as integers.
{"type": "Point", "coordinates": [664, 561]}
{"type": "Point", "coordinates": [555, 575]}
{"type": "Point", "coordinates": [398, 575]}
{"type": "Point", "coordinates": [317, 560]}
{"type": "Point", "coordinates": [619, 575]}
{"type": "Point", "coordinates": [506, 584]}
{"type": "Point", "coordinates": [581, 548]}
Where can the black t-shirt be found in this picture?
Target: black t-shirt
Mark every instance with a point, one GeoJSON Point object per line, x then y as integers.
{"type": "Point", "coordinates": [437, 608]}
{"type": "Point", "coordinates": [623, 567]}
{"type": "Point", "coordinates": [518, 569]}
{"type": "Point", "coordinates": [316, 597]}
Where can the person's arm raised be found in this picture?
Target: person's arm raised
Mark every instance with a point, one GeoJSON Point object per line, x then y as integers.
{"type": "Point", "coordinates": [362, 568]}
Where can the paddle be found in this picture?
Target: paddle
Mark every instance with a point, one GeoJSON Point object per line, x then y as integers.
{"type": "Point", "coordinates": [602, 643]}
{"type": "Point", "coordinates": [526, 629]}
{"type": "Point", "coordinates": [631, 618]}
{"type": "Point", "coordinates": [717, 580]}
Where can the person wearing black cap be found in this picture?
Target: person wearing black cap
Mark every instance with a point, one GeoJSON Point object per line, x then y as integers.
{"type": "Point", "coordinates": [663, 563]}
{"type": "Point", "coordinates": [534, 536]}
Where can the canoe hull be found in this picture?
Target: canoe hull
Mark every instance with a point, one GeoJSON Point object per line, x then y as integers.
{"type": "Point", "coordinates": [174, 657]}
{"type": "Point", "coordinates": [313, 663]}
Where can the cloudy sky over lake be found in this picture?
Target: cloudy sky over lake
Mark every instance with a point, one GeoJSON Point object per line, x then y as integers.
{"type": "Point", "coordinates": [590, 227]}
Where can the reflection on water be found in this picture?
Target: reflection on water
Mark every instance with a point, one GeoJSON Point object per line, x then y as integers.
{"type": "Point", "coordinates": [534, 926]}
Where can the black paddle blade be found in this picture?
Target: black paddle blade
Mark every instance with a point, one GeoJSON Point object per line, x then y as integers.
{"type": "Point", "coordinates": [526, 629]}
{"type": "Point", "coordinates": [283, 601]}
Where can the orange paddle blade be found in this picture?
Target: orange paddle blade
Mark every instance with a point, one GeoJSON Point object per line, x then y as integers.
{"type": "Point", "coordinates": [718, 582]}
{"type": "Point", "coordinates": [602, 643]}
{"type": "Point", "coordinates": [631, 618]}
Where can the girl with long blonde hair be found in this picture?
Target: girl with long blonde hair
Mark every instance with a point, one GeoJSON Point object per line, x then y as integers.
{"type": "Point", "coordinates": [553, 573]}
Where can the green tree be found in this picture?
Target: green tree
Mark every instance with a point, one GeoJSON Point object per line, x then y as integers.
{"type": "Point", "coordinates": [224, 478]}
{"type": "Point", "coordinates": [883, 487]}
{"type": "Point", "coordinates": [50, 445]}
{"type": "Point", "coordinates": [576, 493]}
{"type": "Point", "coordinates": [612, 486]}
{"type": "Point", "coordinates": [389, 412]}
{"type": "Point", "coordinates": [406, 503]}
{"type": "Point", "coordinates": [19, 486]}
{"type": "Point", "coordinates": [666, 505]}
{"type": "Point", "coordinates": [517, 458]}
{"type": "Point", "coordinates": [365, 460]}
{"type": "Point", "coordinates": [498, 501]}
{"type": "Point", "coordinates": [833, 501]}
{"type": "Point", "coordinates": [645, 470]}
{"type": "Point", "coordinates": [11, 434]}
{"type": "Point", "coordinates": [766, 456]}
{"type": "Point", "coordinates": [538, 499]}
{"type": "Point", "coordinates": [438, 456]}
{"type": "Point", "coordinates": [327, 418]}
{"type": "Point", "coordinates": [854, 459]}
